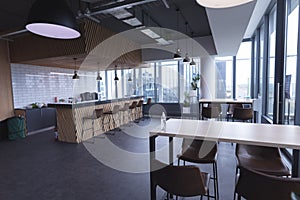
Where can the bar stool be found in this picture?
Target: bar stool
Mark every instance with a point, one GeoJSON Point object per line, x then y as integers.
{"type": "Point", "coordinates": [138, 110]}
{"type": "Point", "coordinates": [201, 152]}
{"type": "Point", "coordinates": [123, 110]}
{"type": "Point", "coordinates": [97, 114]}
{"type": "Point", "coordinates": [113, 116]}
{"type": "Point", "coordinates": [146, 107]}
{"type": "Point", "coordinates": [132, 110]}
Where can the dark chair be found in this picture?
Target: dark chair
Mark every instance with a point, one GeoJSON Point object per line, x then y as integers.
{"type": "Point", "coordinates": [184, 181]}
{"type": "Point", "coordinates": [242, 114]}
{"type": "Point", "coordinates": [202, 152]}
{"type": "Point", "coordinates": [146, 107]}
{"type": "Point", "coordinates": [211, 111]}
{"type": "Point", "coordinates": [231, 108]}
{"type": "Point", "coordinates": [254, 185]}
{"type": "Point", "coordinates": [267, 160]}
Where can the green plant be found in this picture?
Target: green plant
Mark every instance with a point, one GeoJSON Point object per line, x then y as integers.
{"type": "Point", "coordinates": [186, 101]}
{"type": "Point", "coordinates": [195, 80]}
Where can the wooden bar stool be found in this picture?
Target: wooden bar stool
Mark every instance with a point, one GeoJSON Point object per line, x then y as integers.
{"type": "Point", "coordinates": [124, 113]}
{"type": "Point", "coordinates": [139, 110]}
{"type": "Point", "coordinates": [113, 116]}
{"type": "Point", "coordinates": [132, 110]}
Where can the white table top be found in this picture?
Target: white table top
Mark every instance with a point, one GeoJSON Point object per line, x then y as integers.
{"type": "Point", "coordinates": [226, 101]}
{"type": "Point", "coordinates": [287, 136]}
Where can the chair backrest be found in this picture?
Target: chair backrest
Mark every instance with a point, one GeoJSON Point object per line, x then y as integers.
{"type": "Point", "coordinates": [210, 112]}
{"type": "Point", "coordinates": [115, 109]}
{"type": "Point", "coordinates": [140, 103]}
{"type": "Point", "coordinates": [149, 101]}
{"type": "Point", "coordinates": [125, 107]}
{"type": "Point", "coordinates": [243, 114]}
{"type": "Point", "coordinates": [183, 181]}
{"type": "Point", "coordinates": [232, 106]}
{"type": "Point", "coordinates": [258, 186]}
{"type": "Point", "coordinates": [257, 151]}
{"type": "Point", "coordinates": [133, 105]}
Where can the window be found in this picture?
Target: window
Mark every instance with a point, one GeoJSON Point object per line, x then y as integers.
{"type": "Point", "coordinates": [167, 81]}
{"type": "Point", "coordinates": [271, 63]}
{"type": "Point", "coordinates": [148, 80]}
{"type": "Point", "coordinates": [243, 70]}
{"type": "Point", "coordinates": [291, 59]}
{"type": "Point", "coordinates": [224, 76]}
{"type": "Point", "coordinates": [261, 61]}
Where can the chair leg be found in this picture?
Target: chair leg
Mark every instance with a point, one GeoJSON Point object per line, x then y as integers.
{"type": "Point", "coordinates": [216, 183]}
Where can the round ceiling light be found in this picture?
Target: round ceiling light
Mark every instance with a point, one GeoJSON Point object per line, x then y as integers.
{"type": "Point", "coordinates": [221, 3]}
{"type": "Point", "coordinates": [52, 18]}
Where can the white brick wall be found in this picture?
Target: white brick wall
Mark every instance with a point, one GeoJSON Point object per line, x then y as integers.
{"type": "Point", "coordinates": [41, 84]}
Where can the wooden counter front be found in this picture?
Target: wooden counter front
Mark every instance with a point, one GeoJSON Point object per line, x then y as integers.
{"type": "Point", "coordinates": [75, 123]}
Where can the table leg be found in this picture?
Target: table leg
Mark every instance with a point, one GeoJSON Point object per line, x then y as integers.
{"type": "Point", "coordinates": [152, 157]}
{"type": "Point", "coordinates": [295, 164]}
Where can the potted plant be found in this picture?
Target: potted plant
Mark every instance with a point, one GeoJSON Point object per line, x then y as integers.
{"type": "Point", "coordinates": [186, 103]}
{"type": "Point", "coordinates": [194, 85]}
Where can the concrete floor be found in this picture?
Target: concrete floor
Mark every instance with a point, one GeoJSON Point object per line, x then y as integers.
{"type": "Point", "coordinates": [41, 168]}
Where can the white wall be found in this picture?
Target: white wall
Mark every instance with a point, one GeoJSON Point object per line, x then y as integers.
{"type": "Point", "coordinates": [41, 84]}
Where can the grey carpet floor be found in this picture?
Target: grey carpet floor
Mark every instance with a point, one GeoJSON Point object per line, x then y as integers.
{"type": "Point", "coordinates": [38, 167]}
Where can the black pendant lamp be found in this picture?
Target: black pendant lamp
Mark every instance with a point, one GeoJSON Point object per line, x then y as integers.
{"type": "Point", "coordinates": [186, 58]}
{"type": "Point", "coordinates": [177, 55]}
{"type": "Point", "coordinates": [116, 76]}
{"type": "Point", "coordinates": [193, 62]}
{"type": "Point", "coordinates": [99, 78]}
{"type": "Point", "coordinates": [75, 76]}
{"type": "Point", "coordinates": [52, 18]}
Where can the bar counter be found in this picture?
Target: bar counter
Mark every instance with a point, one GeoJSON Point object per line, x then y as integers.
{"type": "Point", "coordinates": [76, 122]}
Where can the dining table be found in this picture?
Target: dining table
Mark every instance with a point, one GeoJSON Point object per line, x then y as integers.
{"type": "Point", "coordinates": [270, 135]}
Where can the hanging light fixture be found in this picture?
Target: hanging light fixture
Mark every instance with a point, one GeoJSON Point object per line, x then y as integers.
{"type": "Point", "coordinates": [177, 55]}
{"type": "Point", "coordinates": [99, 78]}
{"type": "Point", "coordinates": [222, 3]}
{"type": "Point", "coordinates": [116, 76]}
{"type": "Point", "coordinates": [52, 18]}
{"type": "Point", "coordinates": [186, 58]}
{"type": "Point", "coordinates": [193, 62]}
{"type": "Point", "coordinates": [75, 76]}
{"type": "Point", "coordinates": [129, 79]}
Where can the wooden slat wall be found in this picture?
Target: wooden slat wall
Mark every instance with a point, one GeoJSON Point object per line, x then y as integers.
{"type": "Point", "coordinates": [36, 50]}
{"type": "Point", "coordinates": [6, 98]}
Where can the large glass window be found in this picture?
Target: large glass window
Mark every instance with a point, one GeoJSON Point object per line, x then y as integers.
{"type": "Point", "coordinates": [261, 60]}
{"type": "Point", "coordinates": [224, 76]}
{"type": "Point", "coordinates": [291, 59]}
{"type": "Point", "coordinates": [167, 84]}
{"type": "Point", "coordinates": [271, 66]}
{"type": "Point", "coordinates": [148, 79]}
{"type": "Point", "coordinates": [243, 70]}
{"type": "Point", "coordinates": [111, 92]}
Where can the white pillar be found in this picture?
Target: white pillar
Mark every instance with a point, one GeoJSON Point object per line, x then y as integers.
{"type": "Point", "coordinates": [208, 77]}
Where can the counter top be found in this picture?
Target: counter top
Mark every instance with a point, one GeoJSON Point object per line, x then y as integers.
{"type": "Point", "coordinates": [92, 102]}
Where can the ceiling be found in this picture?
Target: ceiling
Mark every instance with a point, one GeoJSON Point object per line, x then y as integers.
{"type": "Point", "coordinates": [219, 31]}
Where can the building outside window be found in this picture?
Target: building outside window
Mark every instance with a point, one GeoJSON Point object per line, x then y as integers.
{"type": "Point", "coordinates": [271, 63]}
{"type": "Point", "coordinates": [243, 70]}
{"type": "Point", "coordinates": [224, 67]}
{"type": "Point", "coordinates": [291, 59]}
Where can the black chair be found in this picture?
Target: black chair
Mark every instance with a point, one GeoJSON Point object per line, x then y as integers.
{"type": "Point", "coordinates": [184, 181]}
{"type": "Point", "coordinates": [231, 108]}
{"type": "Point", "coordinates": [201, 152]}
{"type": "Point", "coordinates": [146, 107]}
{"type": "Point", "coordinates": [242, 114]}
{"type": "Point", "coordinates": [254, 185]}
{"type": "Point", "coordinates": [267, 160]}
